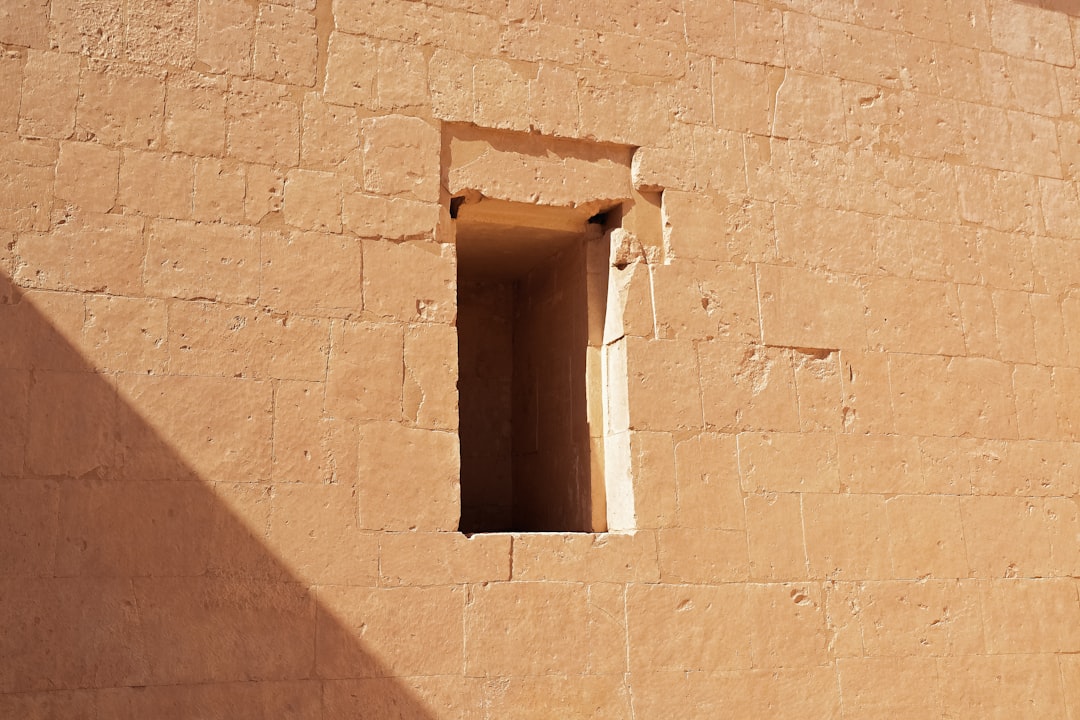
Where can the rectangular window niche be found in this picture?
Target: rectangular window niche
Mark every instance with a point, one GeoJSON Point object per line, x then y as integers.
{"type": "Point", "coordinates": [539, 389]}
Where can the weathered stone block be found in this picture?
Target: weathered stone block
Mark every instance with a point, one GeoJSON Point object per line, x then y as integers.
{"type": "Point", "coordinates": [744, 95]}
{"type": "Point", "coordinates": [915, 690]}
{"type": "Point", "coordinates": [678, 627]}
{"type": "Point", "coordinates": [410, 281]}
{"type": "Point", "coordinates": [406, 631]}
{"type": "Point", "coordinates": [759, 34]}
{"type": "Point", "coordinates": [1033, 32]}
{"type": "Point", "coordinates": [450, 86]}
{"type": "Point", "coordinates": [553, 99]}
{"type": "Point", "coordinates": [774, 535]}
{"type": "Point", "coordinates": [705, 301]}
{"type": "Point", "coordinates": [265, 192]}
{"type": "Point", "coordinates": [177, 427]}
{"type": "Point", "coordinates": [913, 316]}
{"type": "Point", "coordinates": [871, 463]}
{"type": "Point", "coordinates": [421, 558]}
{"type": "Point", "coordinates": [329, 134]}
{"type": "Point", "coordinates": [263, 123]}
{"type": "Point", "coordinates": [156, 184]}
{"type": "Point", "coordinates": [652, 478]}
{"type": "Point", "coordinates": [14, 419]}
{"type": "Point", "coordinates": [926, 537]}
{"type": "Point", "coordinates": [401, 157]}
{"type": "Point", "coordinates": [847, 536]}
{"type": "Point", "coordinates": [977, 316]}
{"type": "Point", "coordinates": [809, 107]}
{"type": "Point", "coordinates": [313, 200]}
{"type": "Point", "coordinates": [94, 29]}
{"type": "Point", "coordinates": [291, 282]}
{"type": "Point", "coordinates": [788, 625]}
{"type": "Point", "coordinates": [1033, 616]}
{"type": "Point", "coordinates": [572, 628]}
{"type": "Point", "coordinates": [1005, 201]}
{"type": "Point", "coordinates": [366, 371]}
{"type": "Point", "coordinates": [25, 23]}
{"type": "Point", "coordinates": [113, 529]}
{"type": "Point", "coordinates": [246, 342]}
{"type": "Point", "coordinates": [822, 239]}
{"type": "Point", "coordinates": [220, 188]}
{"type": "Point", "coordinates": [87, 175]}
{"type": "Point", "coordinates": [603, 697]}
{"type": "Point", "coordinates": [195, 114]}
{"type": "Point", "coordinates": [48, 325]}
{"type": "Point", "coordinates": [663, 385]}
{"type": "Point", "coordinates": [26, 198]}
{"type": "Point", "coordinates": [310, 445]}
{"type": "Point", "coordinates": [351, 70]}
{"type": "Point", "coordinates": [908, 618]}
{"type": "Point", "coordinates": [702, 555]}
{"type": "Point", "coordinates": [416, 696]}
{"type": "Point", "coordinates": [209, 628]}
{"type": "Point", "coordinates": [576, 557]}
{"type": "Point", "coordinates": [498, 87]}
{"type": "Point", "coordinates": [92, 253]}
{"type": "Point", "coordinates": [314, 531]}
{"type": "Point", "coordinates": [800, 308]}
{"type": "Point", "coordinates": [1016, 329]}
{"type": "Point", "coordinates": [431, 373]}
{"type": "Point", "coordinates": [226, 35]}
{"type": "Point", "coordinates": [402, 81]}
{"type": "Point", "coordinates": [408, 478]}
{"type": "Point", "coordinates": [451, 27]}
{"type": "Point", "coordinates": [161, 35]}
{"type": "Point", "coordinates": [751, 387]}
{"type": "Point", "coordinates": [72, 424]}
{"type": "Point", "coordinates": [957, 396]}
{"type": "Point", "coordinates": [12, 64]}
{"type": "Point", "coordinates": [739, 693]}
{"type": "Point", "coordinates": [788, 462]}
{"type": "Point", "coordinates": [125, 334]}
{"type": "Point", "coordinates": [707, 477]}
{"type": "Point", "coordinates": [372, 216]}
{"type": "Point", "coordinates": [710, 228]}
{"type": "Point", "coordinates": [30, 510]}
{"type": "Point", "coordinates": [285, 45]}
{"type": "Point", "coordinates": [49, 93]}
{"type": "Point", "coordinates": [56, 608]}
{"type": "Point", "coordinates": [1013, 684]}
{"type": "Point", "coordinates": [202, 261]}
{"type": "Point", "coordinates": [1006, 537]}
{"type": "Point", "coordinates": [122, 105]}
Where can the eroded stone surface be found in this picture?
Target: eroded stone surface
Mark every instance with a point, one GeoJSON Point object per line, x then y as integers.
{"type": "Point", "coordinates": [833, 386]}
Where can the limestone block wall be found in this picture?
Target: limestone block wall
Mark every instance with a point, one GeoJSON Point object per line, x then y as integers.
{"type": "Point", "coordinates": [842, 339]}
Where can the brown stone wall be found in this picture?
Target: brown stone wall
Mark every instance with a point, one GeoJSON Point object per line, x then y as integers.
{"type": "Point", "coordinates": [842, 354]}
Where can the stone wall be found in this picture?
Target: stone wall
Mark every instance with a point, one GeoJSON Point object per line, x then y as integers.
{"type": "Point", "coordinates": [834, 406]}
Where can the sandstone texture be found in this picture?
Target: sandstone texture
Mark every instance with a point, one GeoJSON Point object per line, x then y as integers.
{"type": "Point", "coordinates": [823, 366]}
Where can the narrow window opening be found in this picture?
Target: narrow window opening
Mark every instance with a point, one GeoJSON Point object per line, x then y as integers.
{"type": "Point", "coordinates": [532, 290]}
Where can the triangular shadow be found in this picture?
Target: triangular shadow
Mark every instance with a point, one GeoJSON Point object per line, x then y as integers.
{"type": "Point", "coordinates": [131, 587]}
{"type": "Point", "coordinates": [1069, 7]}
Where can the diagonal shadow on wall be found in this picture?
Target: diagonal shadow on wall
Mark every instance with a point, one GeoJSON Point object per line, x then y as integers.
{"type": "Point", "coordinates": [1069, 7]}
{"type": "Point", "coordinates": [130, 587]}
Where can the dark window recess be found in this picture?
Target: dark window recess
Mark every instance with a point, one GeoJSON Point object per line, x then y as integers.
{"type": "Point", "coordinates": [532, 285]}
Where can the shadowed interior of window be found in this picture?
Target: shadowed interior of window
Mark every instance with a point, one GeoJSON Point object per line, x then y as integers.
{"type": "Point", "coordinates": [532, 286]}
